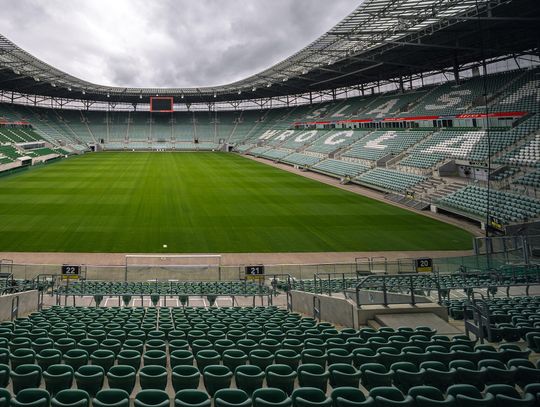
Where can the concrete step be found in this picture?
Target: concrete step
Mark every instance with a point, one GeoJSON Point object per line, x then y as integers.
{"type": "Point", "coordinates": [373, 324]}
{"type": "Point", "coordinates": [417, 319]}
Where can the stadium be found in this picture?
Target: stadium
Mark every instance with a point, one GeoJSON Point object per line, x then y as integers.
{"type": "Point", "coordinates": [354, 225]}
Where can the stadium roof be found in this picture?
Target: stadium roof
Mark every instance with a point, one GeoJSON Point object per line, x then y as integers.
{"type": "Point", "coordinates": [380, 40]}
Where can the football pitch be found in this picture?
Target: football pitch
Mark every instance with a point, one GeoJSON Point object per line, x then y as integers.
{"type": "Point", "coordinates": [199, 203]}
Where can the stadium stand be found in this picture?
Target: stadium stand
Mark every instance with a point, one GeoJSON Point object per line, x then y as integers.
{"type": "Point", "coordinates": [509, 207]}
{"type": "Point", "coordinates": [389, 179]}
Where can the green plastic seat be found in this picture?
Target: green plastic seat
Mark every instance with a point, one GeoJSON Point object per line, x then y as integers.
{"type": "Point", "coordinates": [31, 398]}
{"type": "Point", "coordinates": [89, 345]}
{"type": "Point", "coordinates": [57, 378]}
{"type": "Point", "coordinates": [216, 377]}
{"type": "Point", "coordinates": [191, 398]}
{"type": "Point", "coordinates": [343, 374]}
{"type": "Point", "coordinates": [185, 377]}
{"type": "Point", "coordinates": [111, 398]}
{"type": "Point", "coordinates": [156, 344]}
{"type": "Point", "coordinates": [207, 357]}
{"type": "Point", "coordinates": [337, 355]}
{"type": "Point", "coordinates": [90, 378]}
{"type": "Point", "coordinates": [122, 377]}
{"type": "Point", "coordinates": [375, 375]}
{"type": "Point", "coordinates": [135, 344]}
{"type": "Point", "coordinates": [407, 375]}
{"type": "Point", "coordinates": [314, 356]}
{"type": "Point", "coordinates": [22, 356]}
{"type": "Point", "coordinates": [130, 357]}
{"type": "Point", "coordinates": [270, 397]}
{"type": "Point", "coordinates": [181, 357]}
{"type": "Point", "coordinates": [506, 396]}
{"type": "Point", "coordinates": [114, 345]}
{"type": "Point", "coordinates": [48, 357]}
{"type": "Point", "coordinates": [496, 372]}
{"type": "Point", "coordinates": [310, 397]}
{"type": "Point", "coordinates": [525, 372]}
{"type": "Point", "coordinates": [42, 343]}
{"type": "Point", "coordinates": [152, 398]}
{"type": "Point", "coordinates": [19, 343]}
{"type": "Point", "coordinates": [313, 375]}
{"type": "Point", "coordinates": [25, 377]}
{"type": "Point", "coordinates": [76, 358]}
{"type": "Point", "coordinates": [287, 357]}
{"type": "Point", "coordinates": [178, 344]}
{"type": "Point", "coordinates": [468, 395]}
{"type": "Point", "coordinates": [104, 358]}
{"type": "Point", "coordinates": [466, 372]}
{"type": "Point", "coordinates": [249, 378]}
{"type": "Point", "coordinates": [438, 375]}
{"type": "Point", "coordinates": [261, 358]}
{"type": "Point", "coordinates": [390, 397]}
{"type": "Point", "coordinates": [429, 396]}
{"type": "Point", "coordinates": [350, 397]}
{"type": "Point", "coordinates": [153, 377]}
{"type": "Point", "coordinates": [65, 344]}
{"type": "Point", "coordinates": [155, 357]}
{"type": "Point", "coordinates": [71, 398]}
{"type": "Point", "coordinates": [5, 397]}
{"type": "Point", "coordinates": [4, 375]}
{"type": "Point", "coordinates": [231, 398]}
{"type": "Point", "coordinates": [281, 377]}
{"type": "Point", "coordinates": [232, 358]}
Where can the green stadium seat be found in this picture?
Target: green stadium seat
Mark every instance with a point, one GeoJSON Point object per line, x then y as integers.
{"type": "Point", "coordinates": [153, 377]}
{"type": "Point", "coordinates": [31, 398]}
{"type": "Point", "coordinates": [130, 357]}
{"type": "Point", "coordinates": [310, 397]}
{"type": "Point", "coordinates": [271, 397]}
{"type": "Point", "coordinates": [506, 395]}
{"type": "Point", "coordinates": [467, 395]}
{"type": "Point", "coordinates": [58, 377]}
{"type": "Point", "coordinates": [25, 376]}
{"type": "Point", "coordinates": [111, 398]}
{"type": "Point", "coordinates": [90, 378]}
{"type": "Point", "coordinates": [216, 377]}
{"type": "Point", "coordinates": [122, 377]}
{"type": "Point", "coordinates": [4, 375]}
{"type": "Point", "coordinates": [185, 377]}
{"type": "Point", "coordinates": [71, 398]}
{"type": "Point", "coordinates": [428, 396]}
{"type": "Point", "coordinates": [313, 375]}
{"type": "Point", "coordinates": [281, 377]}
{"type": "Point", "coordinates": [390, 397]}
{"type": "Point", "coordinates": [151, 398]}
{"type": "Point", "coordinates": [5, 397]}
{"type": "Point", "coordinates": [231, 398]}
{"type": "Point", "coordinates": [191, 398]}
{"type": "Point", "coordinates": [249, 378]}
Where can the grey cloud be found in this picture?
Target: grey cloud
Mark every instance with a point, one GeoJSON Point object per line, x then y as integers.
{"type": "Point", "coordinates": [169, 42]}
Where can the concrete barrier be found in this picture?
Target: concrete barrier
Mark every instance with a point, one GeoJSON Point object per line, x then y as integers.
{"type": "Point", "coordinates": [28, 302]}
{"type": "Point", "coordinates": [337, 310]}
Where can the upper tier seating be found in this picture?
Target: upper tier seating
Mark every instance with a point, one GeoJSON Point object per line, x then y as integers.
{"type": "Point", "coordinates": [389, 179]}
{"type": "Point", "coordinates": [382, 143]}
{"type": "Point", "coordinates": [507, 207]}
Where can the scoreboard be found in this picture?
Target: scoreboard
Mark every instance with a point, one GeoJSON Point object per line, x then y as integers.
{"type": "Point", "coordinates": [161, 104]}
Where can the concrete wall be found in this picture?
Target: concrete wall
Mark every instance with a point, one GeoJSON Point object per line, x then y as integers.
{"type": "Point", "coordinates": [337, 310]}
{"type": "Point", "coordinates": [372, 297]}
{"type": "Point", "coordinates": [368, 312]}
{"type": "Point", "coordinates": [28, 302]}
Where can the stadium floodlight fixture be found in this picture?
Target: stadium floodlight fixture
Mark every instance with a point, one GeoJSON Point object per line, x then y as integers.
{"type": "Point", "coordinates": [53, 85]}
{"type": "Point", "coordinates": [240, 92]}
{"type": "Point", "coordinates": [285, 79]}
{"type": "Point", "coordinates": [108, 95]}
{"type": "Point", "coordinates": [254, 89]}
{"type": "Point", "coordinates": [140, 96]}
{"type": "Point", "coordinates": [268, 85]}
{"type": "Point", "coordinates": [69, 88]}
{"type": "Point", "coordinates": [83, 92]}
{"type": "Point", "coordinates": [215, 95]}
{"type": "Point", "coordinates": [36, 79]}
{"type": "Point", "coordinates": [182, 96]}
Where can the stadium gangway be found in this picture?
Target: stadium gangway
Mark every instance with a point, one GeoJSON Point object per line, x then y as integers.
{"type": "Point", "coordinates": [125, 297]}
{"type": "Point", "coordinates": [480, 325]}
{"type": "Point", "coordinates": [406, 282]}
{"type": "Point", "coordinates": [318, 278]}
{"type": "Point", "coordinates": [275, 281]}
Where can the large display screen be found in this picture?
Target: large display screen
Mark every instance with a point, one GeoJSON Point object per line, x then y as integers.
{"type": "Point", "coordinates": [161, 104]}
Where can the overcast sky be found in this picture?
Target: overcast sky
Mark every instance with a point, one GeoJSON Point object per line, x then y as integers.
{"type": "Point", "coordinates": [167, 43]}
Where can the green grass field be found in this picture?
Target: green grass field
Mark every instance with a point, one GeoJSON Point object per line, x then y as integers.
{"type": "Point", "coordinates": [200, 203]}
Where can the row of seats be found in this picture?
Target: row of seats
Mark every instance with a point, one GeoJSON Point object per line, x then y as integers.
{"type": "Point", "coordinates": [390, 179]}
{"type": "Point", "coordinates": [507, 207]}
{"type": "Point", "coordinates": [418, 396]}
{"type": "Point", "coordinates": [93, 287]}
